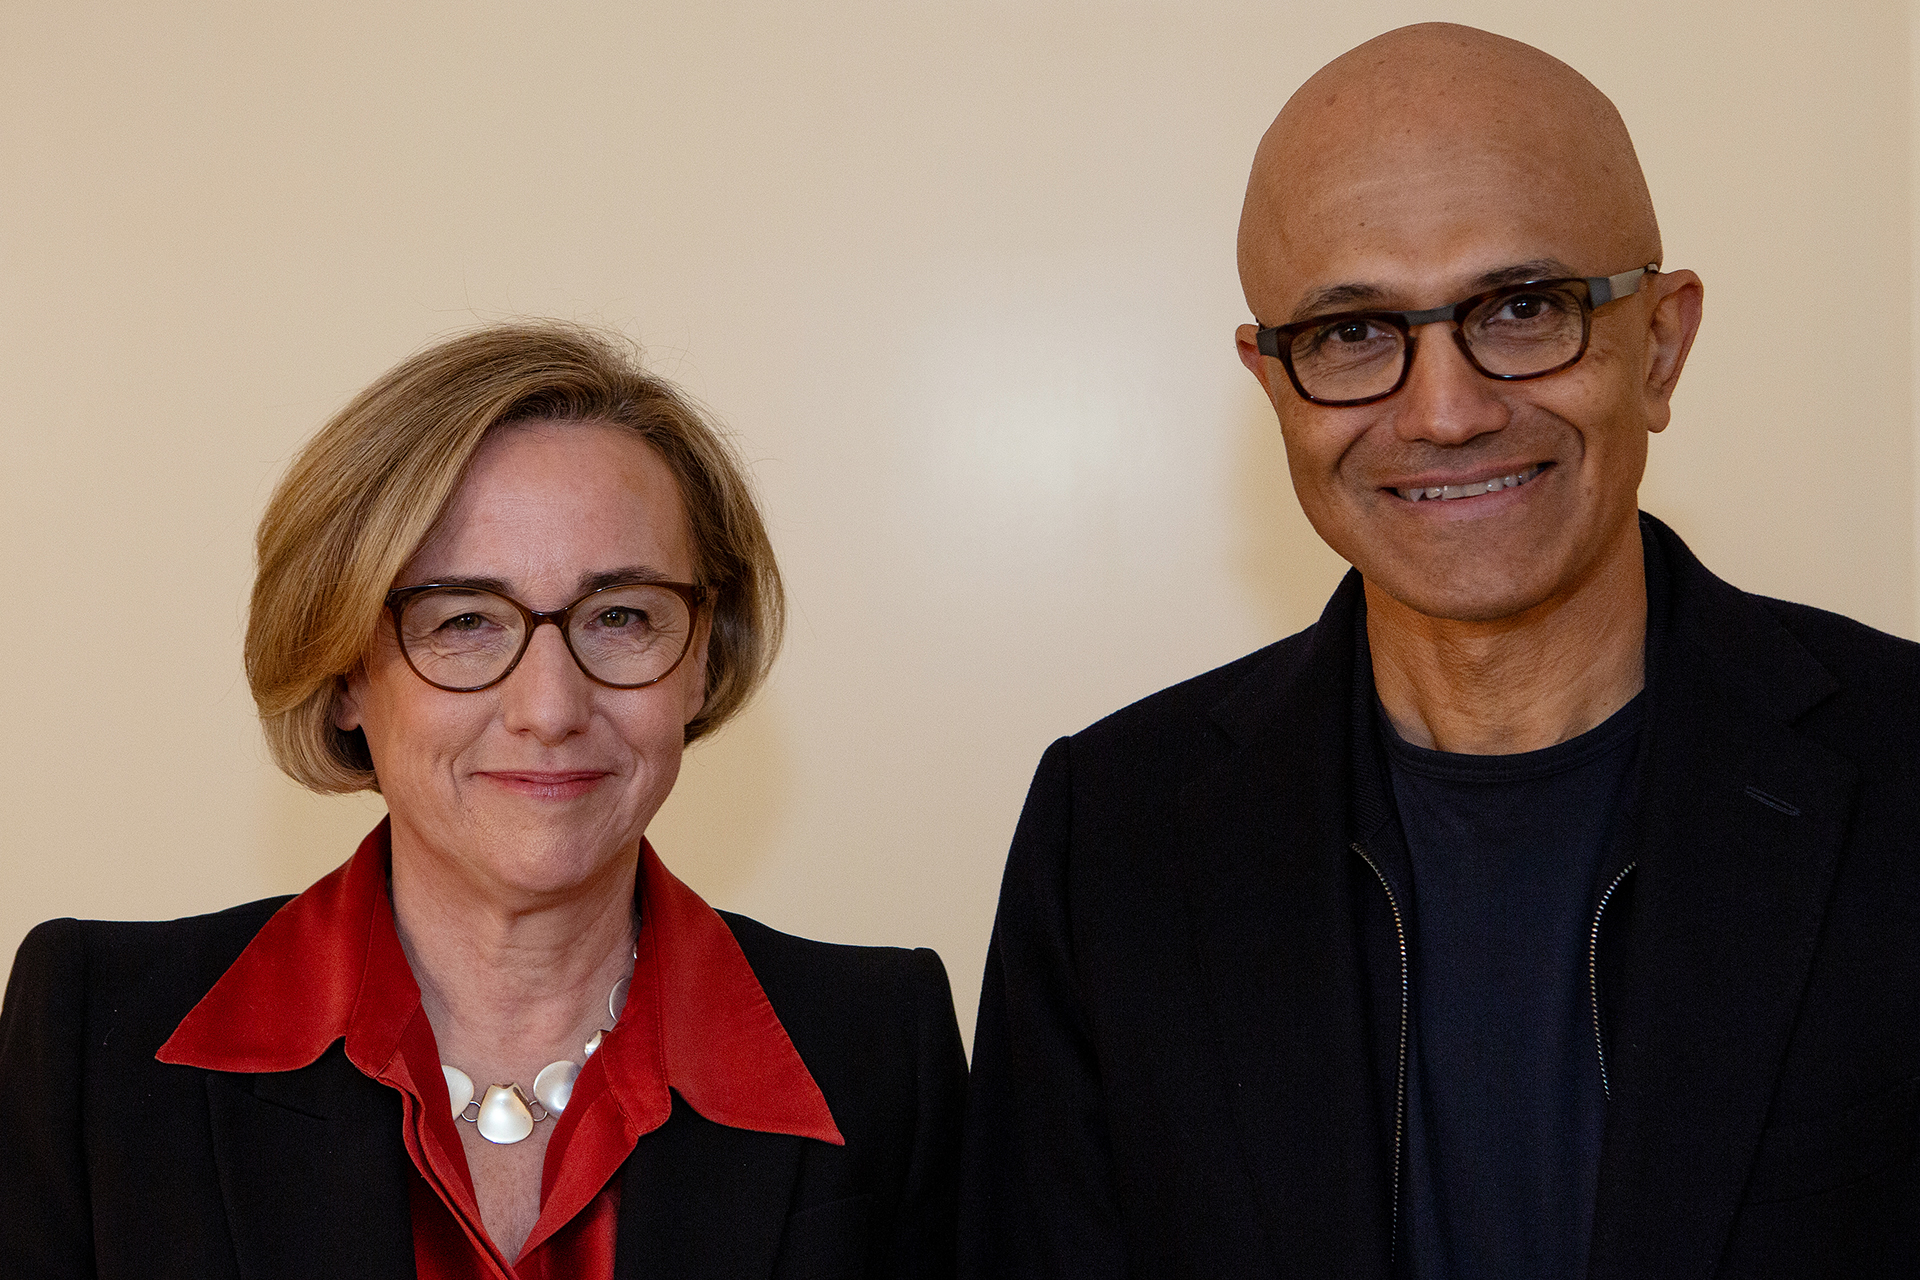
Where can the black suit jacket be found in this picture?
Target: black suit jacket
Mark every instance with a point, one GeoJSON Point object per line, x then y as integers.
{"type": "Point", "coordinates": [1189, 1048]}
{"type": "Point", "coordinates": [116, 1165]}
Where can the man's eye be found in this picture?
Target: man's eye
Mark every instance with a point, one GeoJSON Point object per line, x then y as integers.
{"type": "Point", "coordinates": [1530, 306]}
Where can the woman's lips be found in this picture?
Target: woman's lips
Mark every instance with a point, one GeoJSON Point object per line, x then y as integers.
{"type": "Point", "coordinates": [546, 785]}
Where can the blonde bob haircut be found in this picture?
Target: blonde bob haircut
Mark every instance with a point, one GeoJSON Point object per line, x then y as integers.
{"type": "Point", "coordinates": [364, 494]}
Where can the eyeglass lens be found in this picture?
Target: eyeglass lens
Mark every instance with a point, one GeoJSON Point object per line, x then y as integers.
{"type": "Point", "coordinates": [1515, 333]}
{"type": "Point", "coordinates": [463, 637]}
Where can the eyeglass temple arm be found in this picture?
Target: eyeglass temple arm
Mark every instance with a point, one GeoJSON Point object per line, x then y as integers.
{"type": "Point", "coordinates": [1604, 289]}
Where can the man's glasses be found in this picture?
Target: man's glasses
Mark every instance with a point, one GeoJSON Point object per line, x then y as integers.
{"type": "Point", "coordinates": [463, 639]}
{"type": "Point", "coordinates": [1519, 331]}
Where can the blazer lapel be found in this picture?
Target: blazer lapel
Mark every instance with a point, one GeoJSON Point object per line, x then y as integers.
{"type": "Point", "coordinates": [1269, 882]}
{"type": "Point", "coordinates": [1740, 827]}
{"type": "Point", "coordinates": [701, 1200]}
{"type": "Point", "coordinates": [312, 1172]}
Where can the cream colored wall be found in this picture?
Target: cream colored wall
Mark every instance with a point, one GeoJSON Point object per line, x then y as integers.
{"type": "Point", "coordinates": [962, 277]}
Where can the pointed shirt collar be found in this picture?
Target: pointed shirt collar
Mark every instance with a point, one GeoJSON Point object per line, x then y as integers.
{"type": "Point", "coordinates": [329, 965]}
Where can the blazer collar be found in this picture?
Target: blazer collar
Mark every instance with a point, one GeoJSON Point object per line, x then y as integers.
{"type": "Point", "coordinates": [699, 1198]}
{"type": "Point", "coordinates": [1269, 882]}
{"type": "Point", "coordinates": [1739, 829]}
{"type": "Point", "coordinates": [311, 1172]}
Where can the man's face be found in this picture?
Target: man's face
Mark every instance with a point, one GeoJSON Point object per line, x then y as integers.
{"type": "Point", "coordinates": [1412, 225]}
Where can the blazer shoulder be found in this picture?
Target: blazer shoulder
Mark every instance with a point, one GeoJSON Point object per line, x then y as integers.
{"type": "Point", "coordinates": [1873, 715]}
{"type": "Point", "coordinates": [147, 971]}
{"type": "Point", "coordinates": [1857, 654]}
{"type": "Point", "coordinates": [875, 1027]}
{"type": "Point", "coordinates": [823, 976]}
{"type": "Point", "coordinates": [1190, 705]}
{"type": "Point", "coordinates": [217, 937]}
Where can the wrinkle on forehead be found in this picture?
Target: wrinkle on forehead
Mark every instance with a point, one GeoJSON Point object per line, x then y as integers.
{"type": "Point", "coordinates": [1439, 121]}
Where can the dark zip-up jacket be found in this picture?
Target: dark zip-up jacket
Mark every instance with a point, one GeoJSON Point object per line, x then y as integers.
{"type": "Point", "coordinates": [1189, 1054]}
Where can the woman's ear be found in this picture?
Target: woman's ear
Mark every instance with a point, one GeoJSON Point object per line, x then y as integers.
{"type": "Point", "coordinates": [696, 658]}
{"type": "Point", "coordinates": [347, 698]}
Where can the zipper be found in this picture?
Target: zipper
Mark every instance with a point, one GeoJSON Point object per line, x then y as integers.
{"type": "Point", "coordinates": [1400, 1075]}
{"type": "Point", "coordinates": [1593, 976]}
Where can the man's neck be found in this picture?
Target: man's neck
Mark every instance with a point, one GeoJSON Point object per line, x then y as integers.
{"type": "Point", "coordinates": [1520, 683]}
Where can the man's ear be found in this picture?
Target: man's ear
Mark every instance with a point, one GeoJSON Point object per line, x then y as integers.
{"type": "Point", "coordinates": [1248, 345]}
{"type": "Point", "coordinates": [1672, 323]}
{"type": "Point", "coordinates": [1266, 370]}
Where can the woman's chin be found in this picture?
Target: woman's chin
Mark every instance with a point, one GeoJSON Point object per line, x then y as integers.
{"type": "Point", "coordinates": [534, 851]}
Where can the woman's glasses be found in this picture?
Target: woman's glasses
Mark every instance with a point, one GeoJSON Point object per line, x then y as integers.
{"type": "Point", "coordinates": [463, 638]}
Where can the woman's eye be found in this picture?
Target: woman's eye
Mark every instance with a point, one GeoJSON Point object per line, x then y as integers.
{"type": "Point", "coordinates": [622, 617]}
{"type": "Point", "coordinates": [464, 622]}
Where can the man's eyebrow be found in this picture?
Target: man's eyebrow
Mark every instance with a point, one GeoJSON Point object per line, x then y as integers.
{"type": "Point", "coordinates": [1360, 296]}
{"type": "Point", "coordinates": [1336, 297]}
{"type": "Point", "coordinates": [1521, 272]}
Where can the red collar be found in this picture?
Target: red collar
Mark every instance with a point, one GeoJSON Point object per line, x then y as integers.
{"type": "Point", "coordinates": [328, 965]}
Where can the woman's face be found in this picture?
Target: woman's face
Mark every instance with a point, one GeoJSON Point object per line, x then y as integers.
{"type": "Point", "coordinates": [543, 784]}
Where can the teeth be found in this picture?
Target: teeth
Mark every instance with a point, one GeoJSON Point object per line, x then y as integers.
{"type": "Point", "coordinates": [1448, 492]}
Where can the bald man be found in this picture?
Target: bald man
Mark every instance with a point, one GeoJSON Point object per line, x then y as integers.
{"type": "Point", "coordinates": [1550, 908]}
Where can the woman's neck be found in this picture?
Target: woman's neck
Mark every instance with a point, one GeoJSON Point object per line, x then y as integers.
{"type": "Point", "coordinates": [509, 987]}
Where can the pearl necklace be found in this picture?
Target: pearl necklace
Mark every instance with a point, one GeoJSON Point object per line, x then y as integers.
{"type": "Point", "coordinates": [505, 1115]}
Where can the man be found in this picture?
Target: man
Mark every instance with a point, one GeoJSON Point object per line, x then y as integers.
{"type": "Point", "coordinates": [1549, 908]}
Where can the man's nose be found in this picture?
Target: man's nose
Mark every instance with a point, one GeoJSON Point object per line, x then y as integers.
{"type": "Point", "coordinates": [548, 695]}
{"type": "Point", "coordinates": [1445, 399]}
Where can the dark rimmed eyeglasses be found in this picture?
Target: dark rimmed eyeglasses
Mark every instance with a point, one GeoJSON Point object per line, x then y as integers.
{"type": "Point", "coordinates": [625, 636]}
{"type": "Point", "coordinates": [1512, 333]}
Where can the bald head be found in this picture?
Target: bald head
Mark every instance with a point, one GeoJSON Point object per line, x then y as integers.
{"type": "Point", "coordinates": [1429, 145]}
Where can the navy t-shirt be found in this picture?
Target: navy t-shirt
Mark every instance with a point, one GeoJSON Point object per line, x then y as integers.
{"type": "Point", "coordinates": [1504, 1097]}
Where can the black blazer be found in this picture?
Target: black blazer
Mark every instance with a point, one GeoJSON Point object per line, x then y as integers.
{"type": "Point", "coordinates": [116, 1165]}
{"type": "Point", "coordinates": [1188, 1047]}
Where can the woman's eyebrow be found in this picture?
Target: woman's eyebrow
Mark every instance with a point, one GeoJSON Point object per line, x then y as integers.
{"type": "Point", "coordinates": [615, 577]}
{"type": "Point", "coordinates": [499, 586]}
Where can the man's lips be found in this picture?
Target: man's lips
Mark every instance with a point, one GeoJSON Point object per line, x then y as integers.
{"type": "Point", "coordinates": [551, 784]}
{"type": "Point", "coordinates": [1447, 492]}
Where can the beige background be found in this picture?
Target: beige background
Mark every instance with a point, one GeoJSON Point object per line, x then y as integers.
{"type": "Point", "coordinates": [960, 274]}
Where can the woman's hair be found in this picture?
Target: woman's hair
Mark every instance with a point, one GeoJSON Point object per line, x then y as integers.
{"type": "Point", "coordinates": [364, 494]}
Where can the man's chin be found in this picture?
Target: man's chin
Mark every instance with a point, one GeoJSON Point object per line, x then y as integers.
{"type": "Point", "coordinates": [1483, 594]}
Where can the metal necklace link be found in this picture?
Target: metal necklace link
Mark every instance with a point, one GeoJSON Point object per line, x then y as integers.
{"type": "Point", "coordinates": [504, 1114]}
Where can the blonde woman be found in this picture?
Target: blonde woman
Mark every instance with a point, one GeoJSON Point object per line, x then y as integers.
{"type": "Point", "coordinates": [502, 1039]}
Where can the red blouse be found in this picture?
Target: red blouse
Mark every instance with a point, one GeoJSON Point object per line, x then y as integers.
{"type": "Point", "coordinates": [329, 965]}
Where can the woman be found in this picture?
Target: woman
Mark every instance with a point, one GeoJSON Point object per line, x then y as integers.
{"type": "Point", "coordinates": [501, 1040]}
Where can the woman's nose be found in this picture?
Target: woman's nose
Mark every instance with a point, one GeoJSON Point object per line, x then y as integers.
{"type": "Point", "coordinates": [548, 695]}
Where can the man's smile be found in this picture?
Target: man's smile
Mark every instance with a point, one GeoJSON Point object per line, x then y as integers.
{"type": "Point", "coordinates": [1472, 488]}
